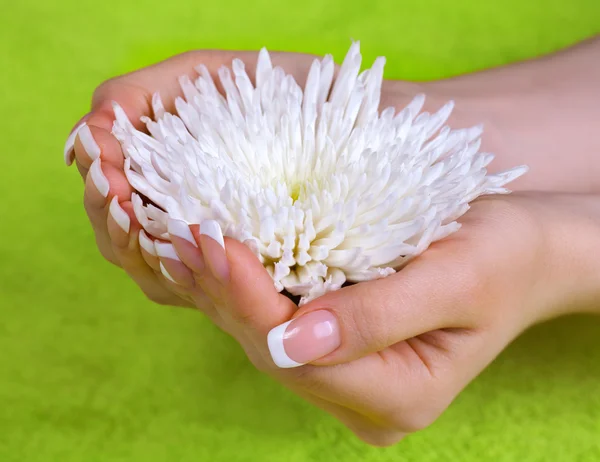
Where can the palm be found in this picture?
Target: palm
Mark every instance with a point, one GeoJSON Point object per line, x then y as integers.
{"type": "Point", "coordinates": [408, 384]}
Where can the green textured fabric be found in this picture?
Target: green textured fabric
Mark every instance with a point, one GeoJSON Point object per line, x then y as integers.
{"type": "Point", "coordinates": [91, 371]}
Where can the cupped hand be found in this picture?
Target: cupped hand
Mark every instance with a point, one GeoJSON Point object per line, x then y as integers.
{"type": "Point", "coordinates": [99, 158]}
{"type": "Point", "coordinates": [387, 357]}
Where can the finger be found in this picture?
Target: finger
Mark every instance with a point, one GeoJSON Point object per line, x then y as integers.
{"type": "Point", "coordinates": [171, 265]}
{"type": "Point", "coordinates": [185, 245]}
{"type": "Point", "coordinates": [83, 171]}
{"type": "Point", "coordinates": [134, 91]}
{"type": "Point", "coordinates": [103, 182]}
{"type": "Point", "coordinates": [239, 286]}
{"type": "Point", "coordinates": [93, 142]}
{"type": "Point", "coordinates": [69, 155]}
{"type": "Point", "coordinates": [361, 425]}
{"type": "Point", "coordinates": [124, 235]}
{"type": "Point", "coordinates": [430, 293]}
{"type": "Point", "coordinates": [148, 251]}
{"type": "Point", "coordinates": [150, 256]}
{"type": "Point", "coordinates": [95, 199]}
{"type": "Point", "coordinates": [397, 392]}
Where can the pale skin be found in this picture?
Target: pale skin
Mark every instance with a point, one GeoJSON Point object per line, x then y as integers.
{"type": "Point", "coordinates": [409, 343]}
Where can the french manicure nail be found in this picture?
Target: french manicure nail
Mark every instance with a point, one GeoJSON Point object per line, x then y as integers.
{"type": "Point", "coordinates": [214, 255]}
{"type": "Point", "coordinates": [146, 243]}
{"type": "Point", "coordinates": [98, 178]}
{"type": "Point", "coordinates": [119, 215]}
{"type": "Point", "coordinates": [69, 154]}
{"type": "Point", "coordinates": [181, 229]}
{"type": "Point", "coordinates": [212, 229]}
{"type": "Point", "coordinates": [166, 274]}
{"type": "Point", "coordinates": [88, 142]}
{"type": "Point", "coordinates": [166, 250]}
{"type": "Point", "coordinates": [304, 339]}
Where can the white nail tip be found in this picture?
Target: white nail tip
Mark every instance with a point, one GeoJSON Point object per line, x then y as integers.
{"type": "Point", "coordinates": [166, 250]}
{"type": "Point", "coordinates": [212, 229]}
{"type": "Point", "coordinates": [277, 350]}
{"type": "Point", "coordinates": [146, 243]}
{"type": "Point", "coordinates": [119, 215]}
{"type": "Point", "coordinates": [88, 142]}
{"type": "Point", "coordinates": [166, 274]}
{"type": "Point", "coordinates": [70, 144]}
{"type": "Point", "coordinates": [181, 229]}
{"type": "Point", "coordinates": [98, 178]}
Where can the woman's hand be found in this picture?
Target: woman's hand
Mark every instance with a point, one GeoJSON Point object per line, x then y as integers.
{"type": "Point", "coordinates": [99, 157]}
{"type": "Point", "coordinates": [386, 357]}
{"type": "Point", "coordinates": [393, 353]}
{"type": "Point", "coordinates": [516, 115]}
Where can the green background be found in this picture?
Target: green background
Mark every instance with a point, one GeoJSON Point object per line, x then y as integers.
{"type": "Point", "coordinates": [91, 371]}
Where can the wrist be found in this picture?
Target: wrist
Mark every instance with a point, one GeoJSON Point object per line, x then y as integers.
{"type": "Point", "coordinates": [573, 247]}
{"type": "Point", "coordinates": [530, 116]}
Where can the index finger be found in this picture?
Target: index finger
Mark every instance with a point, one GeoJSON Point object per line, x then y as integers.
{"type": "Point", "coordinates": [134, 92]}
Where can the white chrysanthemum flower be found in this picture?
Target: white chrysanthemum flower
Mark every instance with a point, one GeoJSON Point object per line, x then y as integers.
{"type": "Point", "coordinates": [320, 185]}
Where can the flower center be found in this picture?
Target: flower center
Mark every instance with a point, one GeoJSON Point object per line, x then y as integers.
{"type": "Point", "coordinates": [295, 191]}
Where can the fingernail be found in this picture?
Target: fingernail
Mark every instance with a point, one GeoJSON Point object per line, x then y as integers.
{"type": "Point", "coordinates": [212, 229]}
{"type": "Point", "coordinates": [304, 339]}
{"type": "Point", "coordinates": [98, 178]}
{"type": "Point", "coordinates": [166, 250]}
{"type": "Point", "coordinates": [119, 215]}
{"type": "Point", "coordinates": [166, 274]}
{"type": "Point", "coordinates": [88, 142]}
{"type": "Point", "coordinates": [214, 255]}
{"type": "Point", "coordinates": [69, 154]}
{"type": "Point", "coordinates": [181, 229]}
{"type": "Point", "coordinates": [146, 243]}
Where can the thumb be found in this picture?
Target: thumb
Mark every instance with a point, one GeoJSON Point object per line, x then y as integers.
{"type": "Point", "coordinates": [368, 317]}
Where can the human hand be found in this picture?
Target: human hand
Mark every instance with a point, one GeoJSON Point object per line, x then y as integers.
{"type": "Point", "coordinates": [503, 99]}
{"type": "Point", "coordinates": [120, 240]}
{"type": "Point", "coordinates": [99, 158]}
{"type": "Point", "coordinates": [387, 357]}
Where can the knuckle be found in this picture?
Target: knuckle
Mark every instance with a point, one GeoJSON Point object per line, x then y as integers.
{"type": "Point", "coordinates": [367, 325]}
{"type": "Point", "coordinates": [242, 316]}
{"type": "Point", "coordinates": [359, 328]}
{"type": "Point", "coordinates": [469, 279]}
{"type": "Point", "coordinates": [110, 257]}
{"type": "Point", "coordinates": [415, 421]}
{"type": "Point", "coordinates": [127, 90]}
{"type": "Point", "coordinates": [107, 253]}
{"type": "Point", "coordinates": [259, 364]}
{"type": "Point", "coordinates": [159, 299]}
{"type": "Point", "coordinates": [461, 284]}
{"type": "Point", "coordinates": [311, 379]}
{"type": "Point", "coordinates": [378, 437]}
{"type": "Point", "coordinates": [418, 409]}
{"type": "Point", "coordinates": [412, 420]}
{"type": "Point", "coordinates": [106, 88]}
